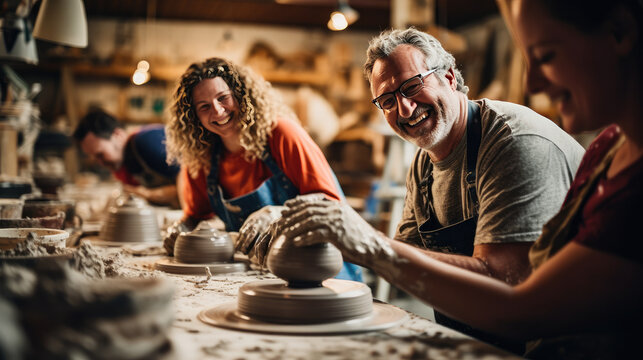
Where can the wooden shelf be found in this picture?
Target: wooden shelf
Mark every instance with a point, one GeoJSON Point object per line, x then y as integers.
{"type": "Point", "coordinates": [296, 77]}
{"type": "Point", "coordinates": [164, 73]}
{"type": "Point", "coordinates": [173, 73]}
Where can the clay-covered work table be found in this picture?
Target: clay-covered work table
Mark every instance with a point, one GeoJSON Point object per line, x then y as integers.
{"type": "Point", "coordinates": [193, 339]}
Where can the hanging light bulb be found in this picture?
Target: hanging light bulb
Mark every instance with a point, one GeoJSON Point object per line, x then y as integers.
{"type": "Point", "coordinates": [142, 73]}
{"type": "Point", "coordinates": [337, 21]}
{"type": "Point", "coordinates": [342, 17]}
{"type": "Point", "coordinates": [143, 65]}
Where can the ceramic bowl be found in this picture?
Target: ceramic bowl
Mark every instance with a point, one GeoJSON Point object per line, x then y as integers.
{"type": "Point", "coordinates": [203, 246]}
{"type": "Point", "coordinates": [303, 266]}
{"type": "Point", "coordinates": [11, 208]}
{"type": "Point", "coordinates": [51, 238]}
{"type": "Point", "coordinates": [49, 222]}
{"type": "Point", "coordinates": [49, 205]}
{"type": "Point", "coordinates": [130, 219]}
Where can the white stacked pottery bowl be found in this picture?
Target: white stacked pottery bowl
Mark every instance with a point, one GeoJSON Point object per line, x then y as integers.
{"type": "Point", "coordinates": [204, 246]}
{"type": "Point", "coordinates": [50, 238]}
{"type": "Point", "coordinates": [131, 219]}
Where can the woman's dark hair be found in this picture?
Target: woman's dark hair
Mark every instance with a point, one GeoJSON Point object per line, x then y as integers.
{"type": "Point", "coordinates": [588, 15]}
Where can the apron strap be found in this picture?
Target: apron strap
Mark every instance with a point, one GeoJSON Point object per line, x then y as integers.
{"type": "Point", "coordinates": [464, 230]}
{"type": "Point", "coordinates": [212, 180]}
{"type": "Point", "coordinates": [474, 131]}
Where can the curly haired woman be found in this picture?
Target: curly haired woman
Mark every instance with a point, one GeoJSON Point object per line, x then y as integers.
{"type": "Point", "coordinates": [241, 149]}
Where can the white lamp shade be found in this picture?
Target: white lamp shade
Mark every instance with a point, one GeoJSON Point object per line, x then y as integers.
{"type": "Point", "coordinates": [63, 22]}
{"type": "Point", "coordinates": [17, 42]}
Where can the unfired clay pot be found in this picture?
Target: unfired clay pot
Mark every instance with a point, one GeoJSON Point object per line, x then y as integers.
{"type": "Point", "coordinates": [131, 219]}
{"type": "Point", "coordinates": [304, 266]}
{"type": "Point", "coordinates": [50, 205]}
{"type": "Point", "coordinates": [203, 246]}
{"type": "Point", "coordinates": [49, 222]}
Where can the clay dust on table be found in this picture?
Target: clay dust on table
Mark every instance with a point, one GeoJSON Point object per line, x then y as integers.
{"type": "Point", "coordinates": [72, 308]}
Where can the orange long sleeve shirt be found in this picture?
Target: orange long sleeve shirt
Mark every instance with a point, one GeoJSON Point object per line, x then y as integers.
{"type": "Point", "coordinates": [295, 153]}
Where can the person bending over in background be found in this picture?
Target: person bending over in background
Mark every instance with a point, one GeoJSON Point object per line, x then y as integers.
{"type": "Point", "coordinates": [137, 160]}
{"type": "Point", "coordinates": [583, 297]}
{"type": "Point", "coordinates": [242, 153]}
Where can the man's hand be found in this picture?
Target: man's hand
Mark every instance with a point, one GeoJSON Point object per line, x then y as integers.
{"type": "Point", "coordinates": [255, 226]}
{"type": "Point", "coordinates": [308, 220]}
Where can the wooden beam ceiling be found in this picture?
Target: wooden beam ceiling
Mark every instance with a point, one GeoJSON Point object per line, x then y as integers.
{"type": "Point", "coordinates": [374, 14]}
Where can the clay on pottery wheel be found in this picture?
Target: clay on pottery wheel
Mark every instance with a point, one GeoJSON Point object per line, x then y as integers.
{"type": "Point", "coordinates": [304, 266]}
{"type": "Point", "coordinates": [204, 246]}
{"type": "Point", "coordinates": [131, 219]}
{"type": "Point", "coordinates": [274, 302]}
{"type": "Point", "coordinates": [307, 296]}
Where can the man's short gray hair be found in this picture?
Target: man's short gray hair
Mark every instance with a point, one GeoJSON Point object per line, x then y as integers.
{"type": "Point", "coordinates": [434, 54]}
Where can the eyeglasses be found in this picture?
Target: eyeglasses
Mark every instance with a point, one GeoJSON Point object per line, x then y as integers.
{"type": "Point", "coordinates": [409, 88]}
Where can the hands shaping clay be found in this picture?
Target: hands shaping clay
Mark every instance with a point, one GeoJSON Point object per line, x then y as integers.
{"type": "Point", "coordinates": [172, 232]}
{"type": "Point", "coordinates": [255, 233]}
{"type": "Point", "coordinates": [311, 219]}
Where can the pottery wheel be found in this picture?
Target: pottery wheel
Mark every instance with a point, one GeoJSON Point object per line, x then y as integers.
{"type": "Point", "coordinates": [339, 306]}
{"type": "Point", "coordinates": [273, 301]}
{"type": "Point", "coordinates": [383, 316]}
{"type": "Point", "coordinates": [170, 265]}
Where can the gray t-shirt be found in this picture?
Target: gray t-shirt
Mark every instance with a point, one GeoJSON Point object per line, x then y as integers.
{"type": "Point", "coordinates": [524, 168]}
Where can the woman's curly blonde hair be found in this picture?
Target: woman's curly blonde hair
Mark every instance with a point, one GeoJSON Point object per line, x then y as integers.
{"type": "Point", "coordinates": [191, 145]}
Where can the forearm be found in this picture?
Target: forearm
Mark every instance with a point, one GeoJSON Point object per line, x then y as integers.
{"type": "Point", "coordinates": [189, 222]}
{"type": "Point", "coordinates": [464, 262]}
{"type": "Point", "coordinates": [507, 262]}
{"type": "Point", "coordinates": [478, 300]}
{"type": "Point", "coordinates": [164, 195]}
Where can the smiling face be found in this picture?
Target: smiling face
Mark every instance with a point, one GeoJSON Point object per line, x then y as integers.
{"type": "Point", "coordinates": [107, 152]}
{"type": "Point", "coordinates": [218, 110]}
{"type": "Point", "coordinates": [426, 118]}
{"type": "Point", "coordinates": [578, 71]}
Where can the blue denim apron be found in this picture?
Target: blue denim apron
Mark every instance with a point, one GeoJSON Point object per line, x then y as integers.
{"type": "Point", "coordinates": [458, 238]}
{"type": "Point", "coordinates": [274, 191]}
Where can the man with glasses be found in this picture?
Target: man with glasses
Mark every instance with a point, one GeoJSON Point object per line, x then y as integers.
{"type": "Point", "coordinates": [486, 177]}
